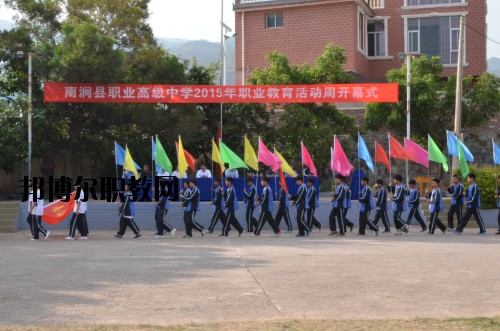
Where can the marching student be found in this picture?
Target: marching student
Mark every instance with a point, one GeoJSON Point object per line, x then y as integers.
{"type": "Point", "coordinates": [497, 196]}
{"type": "Point", "coordinates": [35, 213]}
{"type": "Point", "coordinates": [398, 201]}
{"type": "Point", "coordinates": [414, 203]}
{"type": "Point", "coordinates": [191, 201]}
{"type": "Point", "coordinates": [161, 210]}
{"type": "Point", "coordinates": [231, 205]}
{"type": "Point", "coordinates": [127, 213]}
{"type": "Point", "coordinates": [456, 189]}
{"type": "Point", "coordinates": [366, 205]}
{"type": "Point", "coordinates": [250, 204]}
{"type": "Point", "coordinates": [79, 219]}
{"type": "Point", "coordinates": [381, 206]}
{"type": "Point", "coordinates": [472, 205]}
{"type": "Point", "coordinates": [347, 205]}
{"type": "Point", "coordinates": [435, 206]}
{"type": "Point", "coordinates": [217, 203]}
{"type": "Point", "coordinates": [311, 204]}
{"type": "Point", "coordinates": [339, 203]}
{"type": "Point", "coordinates": [283, 205]}
{"type": "Point", "coordinates": [299, 200]}
{"type": "Point", "coordinates": [266, 208]}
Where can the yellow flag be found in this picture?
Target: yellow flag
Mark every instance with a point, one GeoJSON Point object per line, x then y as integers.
{"type": "Point", "coordinates": [128, 163]}
{"type": "Point", "coordinates": [216, 156]}
{"type": "Point", "coordinates": [182, 164]}
{"type": "Point", "coordinates": [285, 166]}
{"type": "Point", "coordinates": [250, 158]}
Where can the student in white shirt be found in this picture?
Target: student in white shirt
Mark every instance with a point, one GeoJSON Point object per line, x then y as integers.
{"type": "Point", "coordinates": [163, 173]}
{"type": "Point", "coordinates": [178, 175]}
{"type": "Point", "coordinates": [203, 172]}
{"type": "Point", "coordinates": [232, 173]}
{"type": "Point", "coordinates": [35, 212]}
{"type": "Point", "coordinates": [79, 219]}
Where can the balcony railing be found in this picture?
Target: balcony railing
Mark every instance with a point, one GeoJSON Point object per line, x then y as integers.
{"type": "Point", "coordinates": [375, 3]}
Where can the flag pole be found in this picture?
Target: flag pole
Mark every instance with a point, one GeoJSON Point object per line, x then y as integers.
{"type": "Point", "coordinates": [375, 163]}
{"type": "Point", "coordinates": [116, 164]}
{"type": "Point", "coordinates": [275, 181]}
{"type": "Point", "coordinates": [333, 158]}
{"type": "Point", "coordinates": [213, 174]}
{"type": "Point", "coordinates": [258, 168]}
{"type": "Point", "coordinates": [333, 176]}
{"type": "Point", "coordinates": [359, 168]}
{"type": "Point", "coordinates": [153, 165]}
{"type": "Point", "coordinates": [244, 170]}
{"type": "Point", "coordinates": [302, 158]}
{"type": "Point", "coordinates": [390, 163]}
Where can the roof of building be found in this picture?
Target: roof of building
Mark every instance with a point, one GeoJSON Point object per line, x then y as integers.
{"type": "Point", "coordinates": [256, 4]}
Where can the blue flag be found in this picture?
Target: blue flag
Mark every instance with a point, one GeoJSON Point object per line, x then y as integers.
{"type": "Point", "coordinates": [364, 154]}
{"type": "Point", "coordinates": [453, 147]}
{"type": "Point", "coordinates": [120, 156]}
{"type": "Point", "coordinates": [496, 153]}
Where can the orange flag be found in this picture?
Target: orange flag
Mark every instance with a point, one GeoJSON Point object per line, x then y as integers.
{"type": "Point", "coordinates": [191, 161]}
{"type": "Point", "coordinates": [381, 156]}
{"type": "Point", "coordinates": [396, 150]}
{"type": "Point", "coordinates": [57, 211]}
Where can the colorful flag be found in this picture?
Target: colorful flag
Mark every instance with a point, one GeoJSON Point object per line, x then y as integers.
{"type": "Point", "coordinates": [216, 156]}
{"type": "Point", "coordinates": [120, 156]}
{"type": "Point", "coordinates": [129, 164]}
{"type": "Point", "coordinates": [182, 164]}
{"type": "Point", "coordinates": [381, 156]}
{"type": "Point", "coordinates": [283, 181]}
{"type": "Point", "coordinates": [284, 165]}
{"type": "Point", "coordinates": [249, 155]}
{"type": "Point", "coordinates": [464, 168]}
{"type": "Point", "coordinates": [452, 142]}
{"type": "Point", "coordinates": [435, 153]}
{"type": "Point", "coordinates": [190, 160]}
{"type": "Point", "coordinates": [268, 158]}
{"type": "Point", "coordinates": [364, 154]}
{"type": "Point", "coordinates": [396, 150]}
{"type": "Point", "coordinates": [307, 159]}
{"type": "Point", "coordinates": [496, 153]}
{"type": "Point", "coordinates": [161, 157]}
{"type": "Point", "coordinates": [340, 162]}
{"type": "Point", "coordinates": [56, 212]}
{"type": "Point", "coordinates": [416, 153]}
{"type": "Point", "coordinates": [228, 156]}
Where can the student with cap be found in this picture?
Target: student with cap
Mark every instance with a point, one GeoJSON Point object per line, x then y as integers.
{"type": "Point", "coordinates": [266, 208]}
{"type": "Point", "coordinates": [398, 202]}
{"type": "Point", "coordinates": [283, 209]}
{"type": "Point", "coordinates": [250, 204]}
{"type": "Point", "coordinates": [127, 213]}
{"type": "Point", "coordinates": [414, 203]}
{"type": "Point", "coordinates": [35, 213]}
{"type": "Point", "coordinates": [231, 205]}
{"type": "Point", "coordinates": [79, 219]}
{"type": "Point", "coordinates": [381, 206]}
{"type": "Point", "coordinates": [161, 210]}
{"type": "Point", "coordinates": [191, 201]}
{"type": "Point", "coordinates": [472, 205]}
{"type": "Point", "coordinates": [456, 190]}
{"type": "Point", "coordinates": [299, 200]}
{"type": "Point", "coordinates": [218, 205]}
{"type": "Point", "coordinates": [435, 206]}
{"type": "Point", "coordinates": [311, 205]}
{"type": "Point", "coordinates": [365, 206]}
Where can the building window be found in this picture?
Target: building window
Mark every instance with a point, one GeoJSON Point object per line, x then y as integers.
{"type": "Point", "coordinates": [274, 21]}
{"type": "Point", "coordinates": [377, 38]}
{"type": "Point", "coordinates": [415, 3]}
{"type": "Point", "coordinates": [361, 31]}
{"type": "Point", "coordinates": [435, 36]}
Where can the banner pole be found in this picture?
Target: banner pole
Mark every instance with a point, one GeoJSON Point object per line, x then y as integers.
{"type": "Point", "coordinates": [390, 163]}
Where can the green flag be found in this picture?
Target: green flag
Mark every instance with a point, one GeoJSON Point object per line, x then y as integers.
{"type": "Point", "coordinates": [228, 156]}
{"type": "Point", "coordinates": [162, 158]}
{"type": "Point", "coordinates": [464, 168]}
{"type": "Point", "coordinates": [435, 153]}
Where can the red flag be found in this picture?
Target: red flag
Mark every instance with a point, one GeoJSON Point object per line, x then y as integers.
{"type": "Point", "coordinates": [191, 161]}
{"type": "Point", "coordinates": [283, 181]}
{"type": "Point", "coordinates": [340, 162]}
{"type": "Point", "coordinates": [57, 211]}
{"type": "Point", "coordinates": [396, 150]}
{"type": "Point", "coordinates": [381, 156]}
{"type": "Point", "coordinates": [307, 160]}
{"type": "Point", "coordinates": [268, 158]}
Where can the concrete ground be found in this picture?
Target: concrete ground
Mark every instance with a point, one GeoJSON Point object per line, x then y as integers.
{"type": "Point", "coordinates": [175, 280]}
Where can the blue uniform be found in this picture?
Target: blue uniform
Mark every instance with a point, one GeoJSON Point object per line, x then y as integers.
{"type": "Point", "coordinates": [472, 208]}
{"type": "Point", "coordinates": [436, 205]}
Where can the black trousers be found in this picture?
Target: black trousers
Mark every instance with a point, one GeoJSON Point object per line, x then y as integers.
{"type": "Point", "coordinates": [339, 215]}
{"type": "Point", "coordinates": [311, 220]}
{"type": "Point", "coordinates": [468, 214]}
{"type": "Point", "coordinates": [266, 216]}
{"type": "Point", "coordinates": [78, 222]}
{"type": "Point", "coordinates": [36, 222]}
{"type": "Point", "coordinates": [301, 222]}
{"type": "Point", "coordinates": [190, 223]}
{"type": "Point", "coordinates": [161, 222]}
{"type": "Point", "coordinates": [398, 220]}
{"type": "Point", "coordinates": [415, 213]}
{"type": "Point", "coordinates": [346, 221]}
{"type": "Point", "coordinates": [454, 209]}
{"type": "Point", "coordinates": [231, 220]}
{"type": "Point", "coordinates": [284, 213]}
{"type": "Point", "coordinates": [382, 214]}
{"type": "Point", "coordinates": [332, 220]}
{"type": "Point", "coordinates": [436, 221]}
{"type": "Point", "coordinates": [124, 222]}
{"type": "Point", "coordinates": [251, 221]}
{"type": "Point", "coordinates": [217, 216]}
{"type": "Point", "coordinates": [364, 220]}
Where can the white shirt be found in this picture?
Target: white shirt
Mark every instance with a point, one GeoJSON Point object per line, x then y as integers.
{"type": "Point", "coordinates": [176, 174]}
{"type": "Point", "coordinates": [232, 173]}
{"type": "Point", "coordinates": [206, 174]}
{"type": "Point", "coordinates": [38, 210]}
{"type": "Point", "coordinates": [163, 174]}
{"type": "Point", "coordinates": [83, 205]}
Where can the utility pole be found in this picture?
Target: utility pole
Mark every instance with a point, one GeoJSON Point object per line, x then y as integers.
{"type": "Point", "coordinates": [458, 93]}
{"type": "Point", "coordinates": [222, 69]}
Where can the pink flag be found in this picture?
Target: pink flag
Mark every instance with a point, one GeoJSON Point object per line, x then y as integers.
{"type": "Point", "coordinates": [307, 160]}
{"type": "Point", "coordinates": [340, 162]}
{"type": "Point", "coordinates": [416, 153]}
{"type": "Point", "coordinates": [268, 158]}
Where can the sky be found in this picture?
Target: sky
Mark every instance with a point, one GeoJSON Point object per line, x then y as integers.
{"type": "Point", "coordinates": [199, 19]}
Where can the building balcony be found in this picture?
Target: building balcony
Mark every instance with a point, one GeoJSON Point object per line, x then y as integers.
{"type": "Point", "coordinates": [374, 4]}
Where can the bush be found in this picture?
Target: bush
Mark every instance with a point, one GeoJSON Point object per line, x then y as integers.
{"type": "Point", "coordinates": [486, 180]}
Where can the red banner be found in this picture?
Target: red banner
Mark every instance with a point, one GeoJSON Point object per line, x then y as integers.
{"type": "Point", "coordinates": [133, 93]}
{"type": "Point", "coordinates": [56, 212]}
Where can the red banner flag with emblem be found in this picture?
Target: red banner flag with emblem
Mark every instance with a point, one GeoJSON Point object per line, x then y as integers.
{"type": "Point", "coordinates": [56, 212]}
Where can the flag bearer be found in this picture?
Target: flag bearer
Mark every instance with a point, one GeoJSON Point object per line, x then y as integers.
{"type": "Point", "coordinates": [191, 201]}
{"type": "Point", "coordinates": [250, 204]}
{"type": "Point", "coordinates": [398, 201]}
{"type": "Point", "coordinates": [381, 206]}
{"type": "Point", "coordinates": [414, 203]}
{"type": "Point", "coordinates": [79, 218]}
{"type": "Point", "coordinates": [456, 189]}
{"type": "Point", "coordinates": [299, 200]}
{"type": "Point", "coordinates": [472, 205]}
{"type": "Point", "coordinates": [283, 209]}
{"type": "Point", "coordinates": [161, 210]}
{"type": "Point", "coordinates": [339, 203]}
{"type": "Point", "coordinates": [312, 204]}
{"type": "Point", "coordinates": [217, 203]}
{"type": "Point", "coordinates": [435, 206]}
{"type": "Point", "coordinates": [35, 213]}
{"type": "Point", "coordinates": [231, 205]}
{"type": "Point", "coordinates": [366, 205]}
{"type": "Point", "coordinates": [127, 213]}
{"type": "Point", "coordinates": [347, 205]}
{"type": "Point", "coordinates": [267, 206]}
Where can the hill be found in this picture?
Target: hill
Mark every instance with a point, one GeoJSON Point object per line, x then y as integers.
{"type": "Point", "coordinates": [494, 66]}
